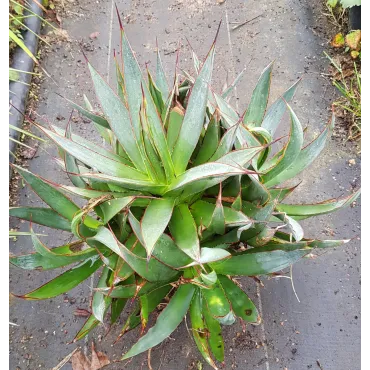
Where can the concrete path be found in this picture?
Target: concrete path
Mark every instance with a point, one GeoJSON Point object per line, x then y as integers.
{"type": "Point", "coordinates": [325, 325]}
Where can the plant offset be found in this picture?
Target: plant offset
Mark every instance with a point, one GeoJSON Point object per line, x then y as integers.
{"type": "Point", "coordinates": [188, 196]}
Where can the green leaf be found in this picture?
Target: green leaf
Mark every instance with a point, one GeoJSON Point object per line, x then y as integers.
{"type": "Point", "coordinates": [22, 45]}
{"type": "Point", "coordinates": [41, 216]}
{"type": "Point", "coordinates": [208, 255]}
{"type": "Point", "coordinates": [293, 225]}
{"type": "Point", "coordinates": [59, 257]}
{"type": "Point", "coordinates": [217, 302]}
{"type": "Point", "coordinates": [194, 116]}
{"type": "Point", "coordinates": [217, 224]}
{"type": "Point", "coordinates": [94, 147]}
{"type": "Point", "coordinates": [281, 193]}
{"type": "Point", "coordinates": [176, 118]}
{"type": "Point", "coordinates": [210, 142]}
{"type": "Point", "coordinates": [253, 191]}
{"type": "Point", "coordinates": [161, 80]}
{"type": "Point", "coordinates": [66, 281]}
{"type": "Point", "coordinates": [132, 321]}
{"type": "Point", "coordinates": [258, 262]}
{"type": "Point", "coordinates": [120, 81]}
{"type": "Point", "coordinates": [155, 220]}
{"type": "Point", "coordinates": [156, 94]}
{"type": "Point", "coordinates": [204, 171]}
{"type": "Point", "coordinates": [128, 183]}
{"type": "Point", "coordinates": [155, 297]}
{"type": "Point", "coordinates": [233, 84]}
{"type": "Point", "coordinates": [218, 221]}
{"type": "Point", "coordinates": [71, 164]}
{"type": "Point", "coordinates": [130, 289]}
{"type": "Point", "coordinates": [126, 129]}
{"type": "Point", "coordinates": [199, 329]}
{"type": "Point", "coordinates": [104, 132]}
{"type": "Point", "coordinates": [291, 151]}
{"type": "Point", "coordinates": [282, 237]}
{"type": "Point", "coordinates": [52, 197]}
{"type": "Point", "coordinates": [118, 304]}
{"type": "Point", "coordinates": [237, 204]}
{"type": "Point", "coordinates": [332, 3]}
{"type": "Point", "coordinates": [301, 211]}
{"type": "Point", "coordinates": [226, 143]}
{"type": "Point", "coordinates": [151, 271]}
{"type": "Point", "coordinates": [167, 321]}
{"type": "Point", "coordinates": [91, 193]}
{"type": "Point", "coordinates": [241, 304]}
{"type": "Point", "coordinates": [101, 121]}
{"type": "Point", "coordinates": [169, 253]}
{"type": "Point", "coordinates": [100, 302]}
{"type": "Point", "coordinates": [276, 111]}
{"type": "Point", "coordinates": [209, 279]}
{"type": "Point", "coordinates": [257, 106]}
{"type": "Point", "coordinates": [94, 159]}
{"type": "Point", "coordinates": [150, 301]}
{"type": "Point", "coordinates": [136, 86]}
{"type": "Point", "coordinates": [184, 231]}
{"type": "Point", "coordinates": [111, 207]}
{"type": "Point", "coordinates": [306, 156]}
{"type": "Point", "coordinates": [202, 212]}
{"type": "Point", "coordinates": [136, 227]}
{"type": "Point", "coordinates": [154, 165]}
{"type": "Point", "coordinates": [89, 325]}
{"type": "Point", "coordinates": [215, 339]}
{"type": "Point", "coordinates": [222, 241]}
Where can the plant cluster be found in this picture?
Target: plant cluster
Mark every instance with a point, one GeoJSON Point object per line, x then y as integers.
{"type": "Point", "coordinates": [187, 196]}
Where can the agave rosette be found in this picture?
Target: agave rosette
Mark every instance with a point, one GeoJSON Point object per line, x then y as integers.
{"type": "Point", "coordinates": [185, 198]}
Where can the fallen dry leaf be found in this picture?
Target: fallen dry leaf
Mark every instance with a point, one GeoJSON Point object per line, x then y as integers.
{"type": "Point", "coordinates": [353, 40]}
{"type": "Point", "coordinates": [338, 40]}
{"type": "Point", "coordinates": [98, 360]}
{"type": "Point", "coordinates": [94, 35]}
{"type": "Point", "coordinates": [82, 312]}
{"type": "Point", "coordinates": [29, 153]}
{"type": "Point", "coordinates": [80, 362]}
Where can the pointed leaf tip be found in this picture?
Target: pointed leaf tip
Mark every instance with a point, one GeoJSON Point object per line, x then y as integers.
{"type": "Point", "coordinates": [119, 17]}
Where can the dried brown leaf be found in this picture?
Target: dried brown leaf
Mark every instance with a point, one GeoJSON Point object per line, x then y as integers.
{"type": "Point", "coordinates": [82, 312]}
{"type": "Point", "coordinates": [80, 362]}
{"type": "Point", "coordinates": [98, 360]}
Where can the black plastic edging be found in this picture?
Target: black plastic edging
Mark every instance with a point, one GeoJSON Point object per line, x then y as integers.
{"type": "Point", "coordinates": [18, 91]}
{"type": "Point", "coordinates": [355, 18]}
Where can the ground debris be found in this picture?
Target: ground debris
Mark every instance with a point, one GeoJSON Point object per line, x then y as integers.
{"type": "Point", "coordinates": [81, 362]}
{"type": "Point", "coordinates": [82, 312]}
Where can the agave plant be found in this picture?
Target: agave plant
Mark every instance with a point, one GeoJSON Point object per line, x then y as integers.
{"type": "Point", "coordinates": [185, 198]}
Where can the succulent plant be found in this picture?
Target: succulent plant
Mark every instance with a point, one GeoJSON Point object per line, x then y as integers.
{"type": "Point", "coordinates": [185, 198]}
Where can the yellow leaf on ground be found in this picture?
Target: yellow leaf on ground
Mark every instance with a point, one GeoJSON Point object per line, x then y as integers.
{"type": "Point", "coordinates": [338, 41]}
{"type": "Point", "coordinates": [353, 40]}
